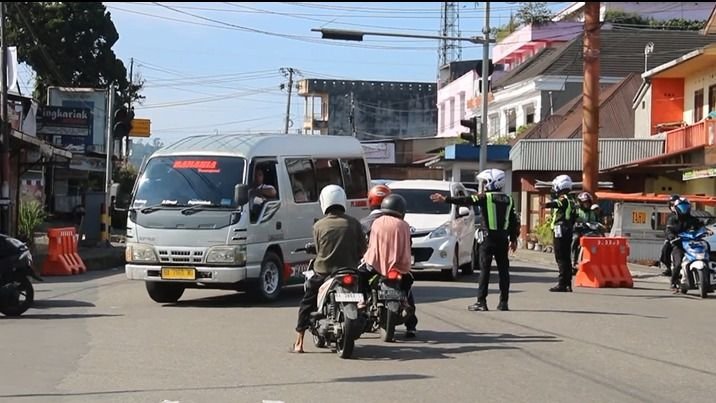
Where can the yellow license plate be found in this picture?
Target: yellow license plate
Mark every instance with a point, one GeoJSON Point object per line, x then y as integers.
{"type": "Point", "coordinates": [178, 273]}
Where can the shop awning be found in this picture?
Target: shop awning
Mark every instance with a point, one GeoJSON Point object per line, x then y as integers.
{"type": "Point", "coordinates": [46, 149]}
{"type": "Point", "coordinates": [653, 198]}
{"type": "Point", "coordinates": [672, 161]}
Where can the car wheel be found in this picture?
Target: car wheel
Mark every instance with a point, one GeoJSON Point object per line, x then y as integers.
{"type": "Point", "coordinates": [268, 286]}
{"type": "Point", "coordinates": [453, 273]}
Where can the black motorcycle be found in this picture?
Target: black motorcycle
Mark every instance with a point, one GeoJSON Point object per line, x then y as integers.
{"type": "Point", "coordinates": [341, 316]}
{"type": "Point", "coordinates": [16, 291]}
{"type": "Point", "coordinates": [389, 306]}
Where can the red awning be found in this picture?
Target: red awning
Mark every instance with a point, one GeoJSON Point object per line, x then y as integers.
{"type": "Point", "coordinates": [653, 198]}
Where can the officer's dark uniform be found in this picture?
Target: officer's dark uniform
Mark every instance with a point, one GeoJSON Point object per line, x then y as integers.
{"type": "Point", "coordinates": [499, 226]}
{"type": "Point", "coordinates": [675, 225]}
{"type": "Point", "coordinates": [563, 217]}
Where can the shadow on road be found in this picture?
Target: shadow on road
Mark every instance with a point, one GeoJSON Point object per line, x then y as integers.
{"type": "Point", "coordinates": [237, 387]}
{"type": "Point", "coordinates": [60, 303]}
{"type": "Point", "coordinates": [80, 278]}
{"type": "Point", "coordinates": [426, 346]}
{"type": "Point", "coordinates": [52, 316]}
{"type": "Point", "coordinates": [290, 298]}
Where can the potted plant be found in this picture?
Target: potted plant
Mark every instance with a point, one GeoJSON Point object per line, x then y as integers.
{"type": "Point", "coordinates": [544, 235]}
{"type": "Point", "coordinates": [31, 216]}
{"type": "Point", "coordinates": [531, 241]}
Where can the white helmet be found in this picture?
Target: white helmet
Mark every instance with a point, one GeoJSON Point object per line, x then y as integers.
{"type": "Point", "coordinates": [494, 179]}
{"type": "Point", "coordinates": [332, 195]}
{"type": "Point", "coordinates": [562, 183]}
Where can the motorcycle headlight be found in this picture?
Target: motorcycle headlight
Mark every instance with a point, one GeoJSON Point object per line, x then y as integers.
{"type": "Point", "coordinates": [441, 231]}
{"type": "Point", "coordinates": [700, 256]}
{"type": "Point", "coordinates": [140, 253]}
{"type": "Point", "coordinates": [227, 254]}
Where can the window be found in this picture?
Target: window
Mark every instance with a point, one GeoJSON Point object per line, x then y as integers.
{"type": "Point", "coordinates": [712, 99]}
{"type": "Point", "coordinates": [511, 121]}
{"type": "Point", "coordinates": [355, 178]}
{"type": "Point", "coordinates": [328, 172]}
{"type": "Point", "coordinates": [462, 105]}
{"type": "Point", "coordinates": [263, 187]}
{"type": "Point", "coordinates": [419, 201]}
{"type": "Point", "coordinates": [698, 105]}
{"type": "Point", "coordinates": [442, 117]}
{"type": "Point", "coordinates": [452, 113]}
{"type": "Point", "coordinates": [303, 181]}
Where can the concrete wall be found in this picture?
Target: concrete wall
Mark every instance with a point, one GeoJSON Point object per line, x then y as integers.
{"type": "Point", "coordinates": [642, 116]}
{"type": "Point", "coordinates": [456, 93]}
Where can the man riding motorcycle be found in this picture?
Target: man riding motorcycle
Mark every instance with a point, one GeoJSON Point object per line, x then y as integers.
{"type": "Point", "coordinates": [390, 247]}
{"type": "Point", "coordinates": [339, 242]}
{"type": "Point", "coordinates": [585, 215]}
{"type": "Point", "coordinates": [679, 222]}
{"type": "Point", "coordinates": [665, 258]}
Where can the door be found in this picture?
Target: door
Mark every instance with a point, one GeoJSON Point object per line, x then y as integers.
{"type": "Point", "coordinates": [464, 227]}
{"type": "Point", "coordinates": [303, 202]}
{"type": "Point", "coordinates": [265, 209]}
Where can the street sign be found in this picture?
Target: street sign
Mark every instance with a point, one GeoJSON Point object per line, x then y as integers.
{"type": "Point", "coordinates": [140, 128]}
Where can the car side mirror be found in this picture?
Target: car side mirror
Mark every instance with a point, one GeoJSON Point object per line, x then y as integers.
{"type": "Point", "coordinates": [463, 212]}
{"type": "Point", "coordinates": [241, 194]}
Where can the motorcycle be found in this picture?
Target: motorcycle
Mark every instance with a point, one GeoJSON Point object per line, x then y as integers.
{"type": "Point", "coordinates": [388, 304]}
{"type": "Point", "coordinates": [697, 269]}
{"type": "Point", "coordinates": [589, 229]}
{"type": "Point", "coordinates": [16, 291]}
{"type": "Point", "coordinates": [341, 317]}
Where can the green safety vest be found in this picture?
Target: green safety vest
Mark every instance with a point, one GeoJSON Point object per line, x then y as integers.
{"type": "Point", "coordinates": [492, 213]}
{"type": "Point", "coordinates": [586, 216]}
{"type": "Point", "coordinates": [567, 213]}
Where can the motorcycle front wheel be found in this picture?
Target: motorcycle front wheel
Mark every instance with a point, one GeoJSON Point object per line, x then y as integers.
{"type": "Point", "coordinates": [25, 297]}
{"type": "Point", "coordinates": [705, 282]}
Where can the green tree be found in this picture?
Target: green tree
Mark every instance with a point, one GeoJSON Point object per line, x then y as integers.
{"type": "Point", "coordinates": [533, 12]}
{"type": "Point", "coordinates": [69, 44]}
{"type": "Point", "coordinates": [636, 21]}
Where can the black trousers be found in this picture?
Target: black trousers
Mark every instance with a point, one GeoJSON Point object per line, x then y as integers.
{"type": "Point", "coordinates": [562, 248]}
{"type": "Point", "coordinates": [497, 247]}
{"type": "Point", "coordinates": [309, 303]}
{"type": "Point", "coordinates": [406, 284]}
{"type": "Point", "coordinates": [575, 248]}
{"type": "Point", "coordinates": [677, 254]}
{"type": "Point", "coordinates": [666, 254]}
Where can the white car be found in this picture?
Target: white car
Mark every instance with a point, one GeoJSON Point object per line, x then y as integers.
{"type": "Point", "coordinates": [443, 234]}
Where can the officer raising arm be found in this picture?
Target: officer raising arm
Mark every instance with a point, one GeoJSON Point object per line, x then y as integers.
{"type": "Point", "coordinates": [499, 229]}
{"type": "Point", "coordinates": [562, 226]}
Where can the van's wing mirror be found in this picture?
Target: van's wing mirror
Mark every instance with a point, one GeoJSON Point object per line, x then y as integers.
{"type": "Point", "coordinates": [463, 212]}
{"type": "Point", "coordinates": [241, 194]}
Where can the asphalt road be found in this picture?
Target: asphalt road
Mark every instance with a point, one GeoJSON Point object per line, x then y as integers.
{"type": "Point", "coordinates": [98, 337]}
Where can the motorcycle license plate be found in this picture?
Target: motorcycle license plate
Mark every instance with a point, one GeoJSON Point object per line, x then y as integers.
{"type": "Point", "coordinates": [349, 297]}
{"type": "Point", "coordinates": [178, 273]}
{"type": "Point", "coordinates": [390, 294]}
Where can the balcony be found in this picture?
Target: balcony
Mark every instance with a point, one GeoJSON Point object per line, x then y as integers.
{"type": "Point", "coordinates": [698, 134]}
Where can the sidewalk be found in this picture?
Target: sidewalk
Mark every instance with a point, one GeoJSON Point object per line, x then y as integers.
{"type": "Point", "coordinates": [644, 273]}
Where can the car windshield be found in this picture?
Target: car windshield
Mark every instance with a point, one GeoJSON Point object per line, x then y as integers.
{"type": "Point", "coordinates": [189, 181]}
{"type": "Point", "coordinates": [419, 201]}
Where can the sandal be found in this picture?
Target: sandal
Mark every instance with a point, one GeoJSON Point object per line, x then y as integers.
{"type": "Point", "coordinates": [293, 350]}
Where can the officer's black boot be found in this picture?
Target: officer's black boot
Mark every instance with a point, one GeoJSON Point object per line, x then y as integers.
{"type": "Point", "coordinates": [481, 305]}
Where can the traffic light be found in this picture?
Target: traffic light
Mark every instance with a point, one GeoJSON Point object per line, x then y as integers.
{"type": "Point", "coordinates": [122, 122]}
{"type": "Point", "coordinates": [472, 125]}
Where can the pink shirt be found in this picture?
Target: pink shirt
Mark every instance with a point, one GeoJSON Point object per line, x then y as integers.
{"type": "Point", "coordinates": [389, 245]}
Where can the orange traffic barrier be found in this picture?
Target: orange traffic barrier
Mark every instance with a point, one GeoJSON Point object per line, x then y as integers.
{"type": "Point", "coordinates": [604, 263]}
{"type": "Point", "coordinates": [63, 258]}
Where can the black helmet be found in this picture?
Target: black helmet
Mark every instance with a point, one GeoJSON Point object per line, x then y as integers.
{"type": "Point", "coordinates": [394, 204]}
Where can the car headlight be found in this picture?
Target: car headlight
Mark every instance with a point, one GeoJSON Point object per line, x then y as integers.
{"type": "Point", "coordinates": [227, 254]}
{"type": "Point", "coordinates": [441, 231]}
{"type": "Point", "coordinates": [140, 253]}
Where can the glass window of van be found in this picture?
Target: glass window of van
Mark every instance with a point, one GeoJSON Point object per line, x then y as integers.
{"type": "Point", "coordinates": [328, 172]}
{"type": "Point", "coordinates": [303, 181]}
{"type": "Point", "coordinates": [355, 178]}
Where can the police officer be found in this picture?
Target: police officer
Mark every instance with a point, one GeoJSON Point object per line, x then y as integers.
{"type": "Point", "coordinates": [665, 258]}
{"type": "Point", "coordinates": [497, 236]}
{"type": "Point", "coordinates": [584, 215]}
{"type": "Point", "coordinates": [562, 226]}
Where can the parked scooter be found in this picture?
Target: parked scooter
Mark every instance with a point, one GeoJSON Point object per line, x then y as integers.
{"type": "Point", "coordinates": [341, 317]}
{"type": "Point", "coordinates": [697, 269]}
{"type": "Point", "coordinates": [16, 291]}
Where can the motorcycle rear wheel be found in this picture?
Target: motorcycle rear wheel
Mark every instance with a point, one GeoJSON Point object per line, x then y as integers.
{"type": "Point", "coordinates": [319, 341]}
{"type": "Point", "coordinates": [344, 345]}
{"type": "Point", "coordinates": [24, 287]}
{"type": "Point", "coordinates": [387, 331]}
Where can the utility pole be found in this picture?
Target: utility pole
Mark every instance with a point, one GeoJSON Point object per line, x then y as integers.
{"type": "Point", "coordinates": [484, 80]}
{"type": "Point", "coordinates": [129, 110]}
{"type": "Point", "coordinates": [590, 122]}
{"type": "Point", "coordinates": [353, 115]}
{"type": "Point", "coordinates": [288, 103]}
{"type": "Point", "coordinates": [109, 149]}
{"type": "Point", "coordinates": [4, 136]}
